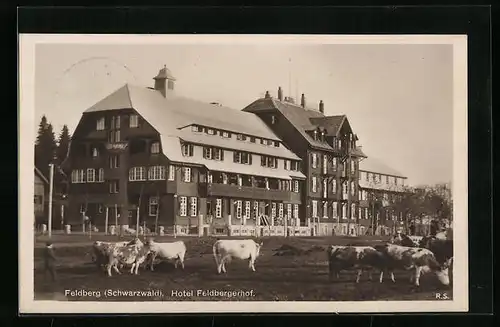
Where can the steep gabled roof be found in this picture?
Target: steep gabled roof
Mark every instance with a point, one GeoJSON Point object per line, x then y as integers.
{"type": "Point", "coordinates": [168, 116]}
{"type": "Point", "coordinates": [303, 119]}
{"type": "Point", "coordinates": [42, 177]}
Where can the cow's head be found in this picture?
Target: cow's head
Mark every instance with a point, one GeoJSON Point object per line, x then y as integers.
{"type": "Point", "coordinates": [443, 275]}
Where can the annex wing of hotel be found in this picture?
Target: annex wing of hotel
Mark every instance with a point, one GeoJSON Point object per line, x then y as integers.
{"type": "Point", "coordinates": [201, 168]}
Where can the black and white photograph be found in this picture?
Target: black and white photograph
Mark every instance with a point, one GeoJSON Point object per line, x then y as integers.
{"type": "Point", "coordinates": [257, 173]}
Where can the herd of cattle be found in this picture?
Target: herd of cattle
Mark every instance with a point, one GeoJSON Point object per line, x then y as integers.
{"type": "Point", "coordinates": [430, 254]}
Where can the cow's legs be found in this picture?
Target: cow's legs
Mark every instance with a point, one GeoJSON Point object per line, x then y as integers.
{"type": "Point", "coordinates": [360, 271]}
{"type": "Point", "coordinates": [116, 269]}
{"type": "Point", "coordinates": [132, 269]}
{"type": "Point", "coordinates": [252, 264]}
{"type": "Point", "coordinates": [381, 278]}
{"type": "Point", "coordinates": [223, 262]}
{"type": "Point", "coordinates": [137, 268]}
{"type": "Point", "coordinates": [418, 272]}
{"type": "Point", "coordinates": [152, 262]}
{"type": "Point", "coordinates": [392, 277]}
{"type": "Point", "coordinates": [181, 260]}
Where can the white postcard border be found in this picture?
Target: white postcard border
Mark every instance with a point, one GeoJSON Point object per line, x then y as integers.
{"type": "Point", "coordinates": [26, 114]}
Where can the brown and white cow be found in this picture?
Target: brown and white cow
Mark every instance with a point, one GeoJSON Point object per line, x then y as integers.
{"type": "Point", "coordinates": [225, 250]}
{"type": "Point", "coordinates": [361, 258]}
{"type": "Point", "coordinates": [101, 250]}
{"type": "Point", "coordinates": [442, 249]}
{"type": "Point", "coordinates": [419, 260]}
{"type": "Point", "coordinates": [403, 239]}
{"type": "Point", "coordinates": [130, 255]}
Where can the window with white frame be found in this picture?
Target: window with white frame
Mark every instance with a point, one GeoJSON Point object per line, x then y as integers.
{"type": "Point", "coordinates": [95, 152]}
{"type": "Point", "coordinates": [171, 173]}
{"type": "Point", "coordinates": [296, 186]}
{"type": "Point", "coordinates": [325, 187]}
{"type": "Point", "coordinates": [248, 209]}
{"type": "Point", "coordinates": [114, 187]}
{"type": "Point", "coordinates": [208, 153]}
{"type": "Point", "coordinates": [114, 161]}
{"type": "Point", "coordinates": [210, 131]}
{"type": "Point", "coordinates": [186, 174]}
{"type": "Point", "coordinates": [289, 210]}
{"type": "Point", "coordinates": [295, 211]}
{"type": "Point", "coordinates": [134, 121]}
{"type": "Point", "coordinates": [353, 166]}
{"type": "Point", "coordinates": [218, 208]}
{"type": "Point", "coordinates": [218, 154]}
{"type": "Point", "coordinates": [353, 188]}
{"type": "Point", "coordinates": [239, 209]}
{"type": "Point", "coordinates": [225, 134]}
{"type": "Point", "coordinates": [155, 147]}
{"type": "Point", "coordinates": [101, 124]}
{"type": "Point", "coordinates": [78, 176]}
{"type": "Point", "coordinates": [344, 211]}
{"type": "Point", "coordinates": [273, 210]}
{"type": "Point", "coordinates": [353, 211]}
{"type": "Point", "coordinates": [137, 174]}
{"type": "Point", "coordinates": [153, 205]}
{"type": "Point", "coordinates": [295, 165]}
{"type": "Point", "coordinates": [255, 209]}
{"type": "Point", "coordinates": [240, 181]}
{"type": "Point", "coordinates": [182, 206]}
{"type": "Point", "coordinates": [314, 204]}
{"type": "Point", "coordinates": [193, 206]}
{"type": "Point", "coordinates": [325, 209]}
{"type": "Point", "coordinates": [325, 163]}
{"type": "Point", "coordinates": [314, 160]}
{"type": "Point", "coordinates": [344, 190]}
{"type": "Point", "coordinates": [288, 164]}
{"type": "Point", "coordinates": [334, 186]}
{"type": "Point", "coordinates": [367, 177]}
{"type": "Point", "coordinates": [314, 186]}
{"type": "Point", "coordinates": [335, 209]}
{"type": "Point", "coordinates": [187, 150]}
{"type": "Point", "coordinates": [100, 175]}
{"type": "Point", "coordinates": [90, 175]}
{"type": "Point", "coordinates": [156, 173]}
{"type": "Point", "coordinates": [280, 210]}
{"type": "Point", "coordinates": [210, 177]}
{"type": "Point", "coordinates": [334, 163]}
{"type": "Point", "coordinates": [366, 213]}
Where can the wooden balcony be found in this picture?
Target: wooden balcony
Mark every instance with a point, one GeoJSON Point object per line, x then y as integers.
{"type": "Point", "coordinates": [247, 192]}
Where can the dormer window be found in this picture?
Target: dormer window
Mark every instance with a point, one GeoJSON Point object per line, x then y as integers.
{"type": "Point", "coordinates": [252, 139]}
{"type": "Point", "coordinates": [134, 121]}
{"type": "Point", "coordinates": [315, 135]}
{"type": "Point", "coordinates": [187, 150]}
{"type": "Point", "coordinates": [210, 131]}
{"type": "Point", "coordinates": [101, 124]}
{"type": "Point", "coordinates": [225, 134]}
{"type": "Point", "coordinates": [276, 144]}
{"type": "Point", "coordinates": [194, 128]}
{"type": "Point", "coordinates": [155, 147]}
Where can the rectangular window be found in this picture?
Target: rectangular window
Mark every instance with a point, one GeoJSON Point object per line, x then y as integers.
{"type": "Point", "coordinates": [252, 139]}
{"type": "Point", "coordinates": [155, 147]}
{"type": "Point", "coordinates": [314, 160]}
{"type": "Point", "coordinates": [114, 136]}
{"type": "Point", "coordinates": [280, 210]}
{"type": "Point", "coordinates": [353, 211]}
{"type": "Point", "coordinates": [334, 163]}
{"type": "Point", "coordinates": [171, 173]}
{"type": "Point", "coordinates": [78, 176]}
{"type": "Point", "coordinates": [90, 175]}
{"type": "Point", "coordinates": [387, 179]}
{"type": "Point", "coordinates": [367, 177]}
{"type": "Point", "coordinates": [325, 187]}
{"type": "Point", "coordinates": [207, 153]}
{"type": "Point", "coordinates": [314, 204]}
{"type": "Point", "coordinates": [182, 206]}
{"type": "Point", "coordinates": [137, 174]}
{"type": "Point", "coordinates": [100, 176]}
{"type": "Point", "coordinates": [186, 174]}
{"type": "Point", "coordinates": [194, 128]}
{"type": "Point", "coordinates": [218, 208]}
{"type": "Point", "coordinates": [193, 206]}
{"type": "Point", "coordinates": [296, 186]}
{"type": "Point", "coordinates": [210, 177]}
{"type": "Point", "coordinates": [116, 122]}
{"type": "Point", "coordinates": [273, 209]}
{"type": "Point", "coordinates": [114, 161]}
{"type": "Point", "coordinates": [218, 154]}
{"type": "Point", "coordinates": [295, 211]}
{"type": "Point", "coordinates": [187, 150]}
{"type": "Point", "coordinates": [325, 163]}
{"type": "Point", "coordinates": [334, 186]}
{"type": "Point", "coordinates": [295, 166]}
{"type": "Point", "coordinates": [95, 152]}
{"type": "Point", "coordinates": [210, 131]}
{"type": "Point", "coordinates": [153, 205]}
{"type": "Point", "coordinates": [225, 134]}
{"type": "Point", "coordinates": [156, 173]}
{"type": "Point", "coordinates": [366, 213]}
{"type": "Point", "coordinates": [114, 187]}
{"type": "Point", "coordinates": [255, 209]}
{"type": "Point", "coordinates": [289, 210]}
{"type": "Point", "coordinates": [335, 209]}
{"type": "Point", "coordinates": [239, 209]}
{"type": "Point", "coordinates": [325, 209]}
{"type": "Point", "coordinates": [314, 187]}
{"type": "Point", "coordinates": [101, 124]}
{"type": "Point", "coordinates": [134, 121]}
{"type": "Point", "coordinates": [247, 209]}
{"type": "Point", "coordinates": [344, 211]}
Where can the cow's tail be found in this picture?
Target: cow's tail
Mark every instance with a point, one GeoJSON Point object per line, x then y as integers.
{"type": "Point", "coordinates": [216, 253]}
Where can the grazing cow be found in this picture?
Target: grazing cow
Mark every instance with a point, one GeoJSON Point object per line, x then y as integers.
{"type": "Point", "coordinates": [419, 259]}
{"type": "Point", "coordinates": [402, 239]}
{"type": "Point", "coordinates": [442, 249]}
{"type": "Point", "coordinates": [101, 250]}
{"type": "Point", "coordinates": [168, 251]}
{"type": "Point", "coordinates": [130, 255]}
{"type": "Point", "coordinates": [225, 250]}
{"type": "Point", "coordinates": [361, 258]}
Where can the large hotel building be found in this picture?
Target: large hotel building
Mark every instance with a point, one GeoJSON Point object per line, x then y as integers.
{"type": "Point", "coordinates": [191, 166]}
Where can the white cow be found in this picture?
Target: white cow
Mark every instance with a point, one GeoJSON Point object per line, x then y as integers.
{"type": "Point", "coordinates": [167, 251]}
{"type": "Point", "coordinates": [224, 250]}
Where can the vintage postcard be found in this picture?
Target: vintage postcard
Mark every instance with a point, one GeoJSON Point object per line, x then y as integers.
{"type": "Point", "coordinates": [223, 173]}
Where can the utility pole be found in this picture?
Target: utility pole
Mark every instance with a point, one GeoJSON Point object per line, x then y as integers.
{"type": "Point", "coordinates": [51, 191]}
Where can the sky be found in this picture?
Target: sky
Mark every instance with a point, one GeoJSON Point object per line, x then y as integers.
{"type": "Point", "coordinates": [398, 98]}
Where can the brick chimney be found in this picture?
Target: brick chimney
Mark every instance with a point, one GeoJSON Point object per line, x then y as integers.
{"type": "Point", "coordinates": [280, 94]}
{"type": "Point", "coordinates": [303, 101]}
{"type": "Point", "coordinates": [267, 96]}
{"type": "Point", "coordinates": [321, 107]}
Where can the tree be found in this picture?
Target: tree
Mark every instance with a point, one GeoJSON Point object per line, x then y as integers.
{"type": "Point", "coordinates": [61, 152]}
{"type": "Point", "coordinates": [45, 146]}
